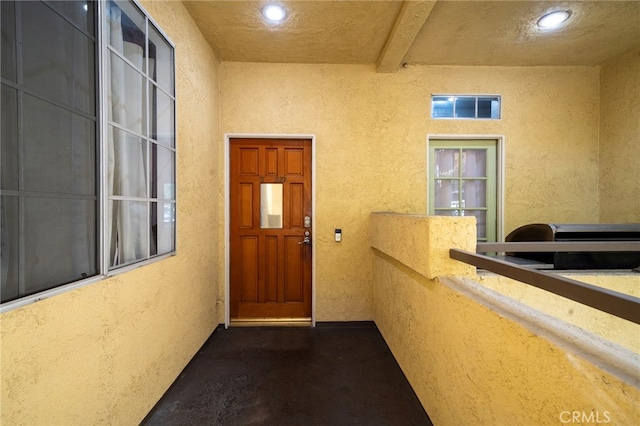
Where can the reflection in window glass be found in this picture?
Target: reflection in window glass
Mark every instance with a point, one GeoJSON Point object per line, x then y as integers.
{"type": "Point", "coordinates": [57, 59]}
{"type": "Point", "coordinates": [57, 227]}
{"type": "Point", "coordinates": [442, 107]}
{"type": "Point", "coordinates": [53, 226]}
{"type": "Point", "coordinates": [49, 207]}
{"type": "Point", "coordinates": [8, 47]}
{"type": "Point", "coordinates": [58, 149]}
{"type": "Point", "coordinates": [465, 106]}
{"type": "Point", "coordinates": [9, 149]}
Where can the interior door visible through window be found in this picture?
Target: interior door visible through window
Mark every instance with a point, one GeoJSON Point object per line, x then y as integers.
{"type": "Point", "coordinates": [270, 229]}
{"type": "Point", "coordinates": [463, 182]}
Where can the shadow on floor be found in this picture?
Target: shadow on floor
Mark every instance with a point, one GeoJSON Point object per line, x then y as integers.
{"type": "Point", "coordinates": [334, 374]}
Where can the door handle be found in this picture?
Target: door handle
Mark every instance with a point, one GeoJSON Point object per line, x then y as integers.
{"type": "Point", "coordinates": [306, 241]}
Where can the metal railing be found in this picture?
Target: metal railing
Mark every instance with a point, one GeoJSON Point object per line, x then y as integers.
{"type": "Point", "coordinates": [613, 302]}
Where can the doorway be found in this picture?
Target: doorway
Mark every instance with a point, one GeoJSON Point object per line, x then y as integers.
{"type": "Point", "coordinates": [270, 229]}
{"type": "Point", "coordinates": [465, 180]}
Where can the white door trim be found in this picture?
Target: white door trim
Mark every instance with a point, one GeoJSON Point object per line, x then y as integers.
{"type": "Point", "coordinates": [500, 181]}
{"type": "Point", "coordinates": [227, 213]}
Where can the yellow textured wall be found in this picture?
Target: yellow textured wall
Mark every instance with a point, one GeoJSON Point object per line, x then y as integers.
{"type": "Point", "coordinates": [371, 132]}
{"type": "Point", "coordinates": [620, 139]}
{"type": "Point", "coordinates": [105, 353]}
{"type": "Point", "coordinates": [423, 242]}
{"type": "Point", "coordinates": [607, 326]}
{"type": "Point", "coordinates": [474, 357]}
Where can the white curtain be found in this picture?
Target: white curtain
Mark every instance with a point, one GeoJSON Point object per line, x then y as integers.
{"type": "Point", "coordinates": [128, 224]}
{"type": "Point", "coordinates": [475, 166]}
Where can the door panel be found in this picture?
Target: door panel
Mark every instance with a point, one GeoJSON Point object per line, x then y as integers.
{"type": "Point", "coordinates": [270, 273]}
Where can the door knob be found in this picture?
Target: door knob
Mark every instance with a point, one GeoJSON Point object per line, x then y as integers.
{"type": "Point", "coordinates": [306, 241]}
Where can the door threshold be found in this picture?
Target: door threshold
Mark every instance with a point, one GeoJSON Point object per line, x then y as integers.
{"type": "Point", "coordinates": [270, 322]}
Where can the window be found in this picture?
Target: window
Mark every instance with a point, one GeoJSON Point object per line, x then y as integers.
{"type": "Point", "coordinates": [140, 107]}
{"type": "Point", "coordinates": [80, 167]}
{"type": "Point", "coordinates": [465, 106]}
{"type": "Point", "coordinates": [463, 182]}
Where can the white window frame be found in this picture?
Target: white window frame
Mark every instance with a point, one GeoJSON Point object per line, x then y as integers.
{"type": "Point", "coordinates": [102, 122]}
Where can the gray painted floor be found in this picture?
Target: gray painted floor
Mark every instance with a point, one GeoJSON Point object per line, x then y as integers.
{"type": "Point", "coordinates": [334, 374]}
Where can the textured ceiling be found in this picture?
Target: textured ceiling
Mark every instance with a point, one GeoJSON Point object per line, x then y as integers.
{"type": "Point", "coordinates": [390, 33]}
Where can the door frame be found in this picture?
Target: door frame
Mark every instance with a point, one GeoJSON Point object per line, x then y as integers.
{"type": "Point", "coordinates": [227, 214]}
{"type": "Point", "coordinates": [500, 169]}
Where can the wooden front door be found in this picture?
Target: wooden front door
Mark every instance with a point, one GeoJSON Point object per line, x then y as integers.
{"type": "Point", "coordinates": [270, 196]}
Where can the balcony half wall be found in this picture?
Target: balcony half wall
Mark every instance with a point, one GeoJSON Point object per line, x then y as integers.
{"type": "Point", "coordinates": [475, 356]}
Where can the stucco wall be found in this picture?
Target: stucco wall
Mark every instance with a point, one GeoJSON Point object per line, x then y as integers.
{"type": "Point", "coordinates": [620, 139]}
{"type": "Point", "coordinates": [371, 132]}
{"type": "Point", "coordinates": [105, 353]}
{"type": "Point", "coordinates": [476, 357]}
{"type": "Point", "coordinates": [607, 326]}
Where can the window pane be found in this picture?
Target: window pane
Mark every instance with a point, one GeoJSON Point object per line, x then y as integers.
{"type": "Point", "coordinates": [59, 149]}
{"type": "Point", "coordinates": [128, 96]}
{"type": "Point", "coordinates": [489, 107]}
{"type": "Point", "coordinates": [127, 164]}
{"type": "Point", "coordinates": [447, 162]}
{"type": "Point", "coordinates": [80, 13]}
{"type": "Point", "coordinates": [129, 231]}
{"type": "Point", "coordinates": [163, 218]}
{"type": "Point", "coordinates": [163, 121]}
{"type": "Point", "coordinates": [10, 248]}
{"type": "Point", "coordinates": [474, 193]}
{"type": "Point", "coordinates": [465, 107]}
{"type": "Point", "coordinates": [126, 32]}
{"type": "Point", "coordinates": [447, 212]}
{"type": "Point", "coordinates": [60, 242]}
{"type": "Point", "coordinates": [481, 219]}
{"type": "Point", "coordinates": [58, 59]}
{"type": "Point", "coordinates": [442, 106]}
{"type": "Point", "coordinates": [271, 205]}
{"type": "Point", "coordinates": [161, 61]}
{"type": "Point", "coordinates": [446, 195]}
{"type": "Point", "coordinates": [9, 146]}
{"type": "Point", "coordinates": [163, 162]}
{"type": "Point", "coordinates": [8, 30]}
{"type": "Point", "coordinates": [474, 162]}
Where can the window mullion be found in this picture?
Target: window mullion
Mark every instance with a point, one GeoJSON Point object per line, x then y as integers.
{"type": "Point", "coordinates": [103, 132]}
{"type": "Point", "coordinates": [20, 135]}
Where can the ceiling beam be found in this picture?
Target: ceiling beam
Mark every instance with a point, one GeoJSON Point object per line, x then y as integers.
{"type": "Point", "coordinates": [411, 19]}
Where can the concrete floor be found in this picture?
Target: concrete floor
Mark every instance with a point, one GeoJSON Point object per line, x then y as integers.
{"type": "Point", "coordinates": [334, 374]}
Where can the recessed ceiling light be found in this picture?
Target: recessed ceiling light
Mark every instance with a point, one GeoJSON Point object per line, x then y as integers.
{"type": "Point", "coordinates": [554, 19]}
{"type": "Point", "coordinates": [274, 13]}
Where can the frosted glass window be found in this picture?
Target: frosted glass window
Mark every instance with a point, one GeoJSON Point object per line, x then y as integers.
{"type": "Point", "coordinates": [270, 205]}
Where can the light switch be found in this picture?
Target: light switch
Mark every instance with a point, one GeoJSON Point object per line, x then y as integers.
{"type": "Point", "coordinates": [338, 235]}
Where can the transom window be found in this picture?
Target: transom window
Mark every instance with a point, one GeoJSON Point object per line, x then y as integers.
{"type": "Point", "coordinates": [87, 169]}
{"type": "Point", "coordinates": [465, 106]}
